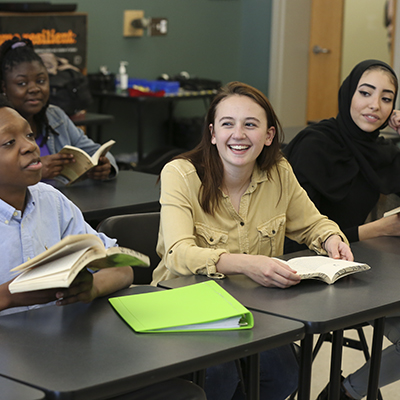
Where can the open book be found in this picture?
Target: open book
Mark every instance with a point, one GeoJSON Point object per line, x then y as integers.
{"type": "Point", "coordinates": [71, 172]}
{"type": "Point", "coordinates": [60, 264]}
{"type": "Point", "coordinates": [391, 212]}
{"type": "Point", "coordinates": [204, 306]}
{"type": "Point", "coordinates": [324, 268]}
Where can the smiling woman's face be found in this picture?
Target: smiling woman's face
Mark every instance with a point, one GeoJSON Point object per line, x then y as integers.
{"type": "Point", "coordinates": [27, 88]}
{"type": "Point", "coordinates": [372, 102]}
{"type": "Point", "coordinates": [240, 131]}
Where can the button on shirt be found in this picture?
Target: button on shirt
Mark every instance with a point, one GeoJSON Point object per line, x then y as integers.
{"type": "Point", "coordinates": [49, 216]}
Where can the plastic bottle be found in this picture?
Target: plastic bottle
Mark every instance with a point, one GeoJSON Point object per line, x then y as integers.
{"type": "Point", "coordinates": [123, 76]}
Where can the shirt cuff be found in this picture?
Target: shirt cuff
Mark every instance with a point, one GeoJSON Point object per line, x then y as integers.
{"type": "Point", "coordinates": [317, 244]}
{"type": "Point", "coordinates": [211, 262]}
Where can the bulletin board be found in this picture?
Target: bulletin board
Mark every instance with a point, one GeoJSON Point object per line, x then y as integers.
{"type": "Point", "coordinates": [64, 34]}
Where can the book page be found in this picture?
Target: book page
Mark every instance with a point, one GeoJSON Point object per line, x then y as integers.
{"type": "Point", "coordinates": [350, 270]}
{"type": "Point", "coordinates": [60, 272]}
{"type": "Point", "coordinates": [56, 273]}
{"type": "Point", "coordinates": [391, 212]}
{"type": "Point", "coordinates": [75, 151]}
{"type": "Point", "coordinates": [101, 151]}
{"type": "Point", "coordinates": [83, 163]}
{"type": "Point", "coordinates": [69, 244]}
{"type": "Point", "coordinates": [323, 265]}
{"type": "Point", "coordinates": [228, 323]}
{"type": "Point", "coordinates": [120, 257]}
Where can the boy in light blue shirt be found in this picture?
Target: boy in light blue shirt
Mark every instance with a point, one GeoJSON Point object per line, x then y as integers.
{"type": "Point", "coordinates": [35, 216]}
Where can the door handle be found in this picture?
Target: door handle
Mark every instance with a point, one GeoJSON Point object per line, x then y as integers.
{"type": "Point", "coordinates": [318, 50]}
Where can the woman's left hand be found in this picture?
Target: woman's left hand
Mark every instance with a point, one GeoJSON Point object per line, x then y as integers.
{"type": "Point", "coordinates": [394, 121]}
{"type": "Point", "coordinates": [336, 248]}
{"type": "Point", "coordinates": [102, 171]}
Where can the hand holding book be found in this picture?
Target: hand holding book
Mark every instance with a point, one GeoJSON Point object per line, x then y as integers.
{"type": "Point", "coordinates": [323, 268]}
{"type": "Point", "coordinates": [59, 265]}
{"type": "Point", "coordinates": [101, 171]}
{"type": "Point", "coordinates": [83, 162]}
{"type": "Point", "coordinates": [391, 212]}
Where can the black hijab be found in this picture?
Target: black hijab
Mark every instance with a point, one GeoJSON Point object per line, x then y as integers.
{"type": "Point", "coordinates": [331, 153]}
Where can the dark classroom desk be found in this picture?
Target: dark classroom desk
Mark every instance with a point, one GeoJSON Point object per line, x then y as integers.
{"type": "Point", "coordinates": [138, 103]}
{"type": "Point", "coordinates": [87, 352]}
{"type": "Point", "coordinates": [130, 192]}
{"type": "Point", "coordinates": [365, 296]}
{"type": "Point", "coordinates": [12, 390]}
{"type": "Point", "coordinates": [92, 120]}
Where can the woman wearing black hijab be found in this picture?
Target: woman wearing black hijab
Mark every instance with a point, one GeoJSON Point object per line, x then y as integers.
{"type": "Point", "coordinates": [344, 166]}
{"type": "Point", "coordinates": [343, 163]}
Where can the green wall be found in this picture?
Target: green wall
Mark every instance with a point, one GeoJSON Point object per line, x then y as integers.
{"type": "Point", "coordinates": [217, 39]}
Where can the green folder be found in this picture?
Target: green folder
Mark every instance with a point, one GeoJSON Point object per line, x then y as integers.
{"type": "Point", "coordinates": [203, 306]}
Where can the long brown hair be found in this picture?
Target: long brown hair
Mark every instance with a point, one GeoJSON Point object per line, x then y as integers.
{"type": "Point", "coordinates": [205, 156]}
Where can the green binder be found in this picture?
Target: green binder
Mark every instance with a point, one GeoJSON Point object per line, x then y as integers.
{"type": "Point", "coordinates": [203, 306]}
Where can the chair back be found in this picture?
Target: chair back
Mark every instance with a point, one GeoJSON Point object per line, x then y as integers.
{"type": "Point", "coordinates": [138, 232]}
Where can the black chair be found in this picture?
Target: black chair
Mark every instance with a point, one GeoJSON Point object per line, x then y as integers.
{"type": "Point", "coordinates": [138, 232]}
{"type": "Point", "coordinates": [155, 161]}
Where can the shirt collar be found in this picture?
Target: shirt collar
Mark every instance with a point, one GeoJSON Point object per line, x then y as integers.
{"type": "Point", "coordinates": [257, 177]}
{"type": "Point", "coordinates": [8, 212]}
{"type": "Point", "coordinates": [30, 202]}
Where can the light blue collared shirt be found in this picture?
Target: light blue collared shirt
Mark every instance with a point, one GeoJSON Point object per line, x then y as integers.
{"type": "Point", "coordinates": [49, 216]}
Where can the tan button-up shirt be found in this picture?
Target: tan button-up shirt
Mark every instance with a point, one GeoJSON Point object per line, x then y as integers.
{"type": "Point", "coordinates": [191, 241]}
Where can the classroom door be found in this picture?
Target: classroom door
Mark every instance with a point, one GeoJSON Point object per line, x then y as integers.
{"type": "Point", "coordinates": [325, 53]}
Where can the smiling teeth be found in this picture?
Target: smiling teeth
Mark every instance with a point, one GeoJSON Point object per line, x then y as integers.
{"type": "Point", "coordinates": [239, 147]}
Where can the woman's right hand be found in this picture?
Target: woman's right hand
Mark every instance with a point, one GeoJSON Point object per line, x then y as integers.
{"type": "Point", "coordinates": [266, 271]}
{"type": "Point", "coordinates": [54, 163]}
{"type": "Point", "coordinates": [394, 121]}
{"type": "Point", "coordinates": [271, 272]}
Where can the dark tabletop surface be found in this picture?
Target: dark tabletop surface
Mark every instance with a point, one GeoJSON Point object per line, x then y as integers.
{"type": "Point", "coordinates": [12, 390]}
{"type": "Point", "coordinates": [86, 351]}
{"type": "Point", "coordinates": [353, 299]}
{"type": "Point", "coordinates": [129, 192]}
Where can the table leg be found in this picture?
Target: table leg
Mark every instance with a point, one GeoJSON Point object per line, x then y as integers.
{"type": "Point", "coordinates": [305, 368]}
{"type": "Point", "coordinates": [98, 134]}
{"type": "Point", "coordinates": [199, 378]}
{"type": "Point", "coordinates": [100, 110]}
{"type": "Point", "coordinates": [376, 355]}
{"type": "Point", "coordinates": [139, 131]}
{"type": "Point", "coordinates": [170, 135]}
{"type": "Point", "coordinates": [253, 377]}
{"type": "Point", "coordinates": [336, 364]}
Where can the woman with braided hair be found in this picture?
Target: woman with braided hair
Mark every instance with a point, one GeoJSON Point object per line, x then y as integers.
{"type": "Point", "coordinates": [25, 83]}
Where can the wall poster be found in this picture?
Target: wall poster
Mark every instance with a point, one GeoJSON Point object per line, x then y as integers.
{"type": "Point", "coordinates": [64, 34]}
